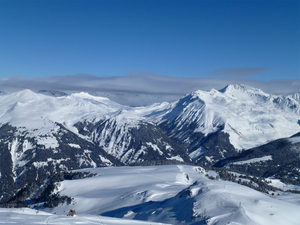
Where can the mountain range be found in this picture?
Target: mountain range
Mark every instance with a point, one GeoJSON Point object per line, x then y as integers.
{"type": "Point", "coordinates": [48, 132]}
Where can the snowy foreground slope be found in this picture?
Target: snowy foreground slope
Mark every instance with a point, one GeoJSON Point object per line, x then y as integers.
{"type": "Point", "coordinates": [174, 194]}
{"type": "Point", "coordinates": [27, 216]}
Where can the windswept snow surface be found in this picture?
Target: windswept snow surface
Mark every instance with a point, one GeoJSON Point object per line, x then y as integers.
{"type": "Point", "coordinates": [25, 216]}
{"type": "Point", "coordinates": [174, 194]}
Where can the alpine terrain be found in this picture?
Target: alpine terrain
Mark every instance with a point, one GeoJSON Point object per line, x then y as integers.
{"type": "Point", "coordinates": [237, 134]}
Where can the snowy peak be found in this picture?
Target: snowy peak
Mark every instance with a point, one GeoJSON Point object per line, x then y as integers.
{"type": "Point", "coordinates": [22, 96]}
{"type": "Point", "coordinates": [245, 93]}
{"type": "Point", "coordinates": [232, 92]}
{"type": "Point", "coordinates": [239, 87]}
{"type": "Point", "coordinates": [247, 115]}
{"type": "Point", "coordinates": [296, 96]}
{"type": "Point", "coordinates": [28, 109]}
{"type": "Point", "coordinates": [231, 87]}
{"type": "Point", "coordinates": [242, 92]}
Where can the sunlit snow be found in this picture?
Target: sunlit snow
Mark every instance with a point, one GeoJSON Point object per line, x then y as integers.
{"type": "Point", "coordinates": [294, 140]}
{"type": "Point", "coordinates": [155, 193]}
{"type": "Point", "coordinates": [254, 160]}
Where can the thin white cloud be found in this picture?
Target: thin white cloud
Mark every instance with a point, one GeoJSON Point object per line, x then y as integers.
{"type": "Point", "coordinates": [142, 83]}
{"type": "Point", "coordinates": [237, 73]}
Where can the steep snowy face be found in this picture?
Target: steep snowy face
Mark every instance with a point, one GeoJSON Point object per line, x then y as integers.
{"type": "Point", "coordinates": [114, 134]}
{"type": "Point", "coordinates": [197, 111]}
{"type": "Point", "coordinates": [132, 139]}
{"type": "Point", "coordinates": [250, 116]}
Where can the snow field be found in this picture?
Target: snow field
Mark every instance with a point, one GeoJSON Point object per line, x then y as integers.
{"type": "Point", "coordinates": [122, 189]}
{"type": "Point", "coordinates": [25, 216]}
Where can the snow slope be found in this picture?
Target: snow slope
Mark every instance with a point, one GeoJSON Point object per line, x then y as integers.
{"type": "Point", "coordinates": [174, 194]}
{"type": "Point", "coordinates": [25, 216]}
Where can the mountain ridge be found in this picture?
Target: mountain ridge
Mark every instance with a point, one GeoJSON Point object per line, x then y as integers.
{"type": "Point", "coordinates": [81, 130]}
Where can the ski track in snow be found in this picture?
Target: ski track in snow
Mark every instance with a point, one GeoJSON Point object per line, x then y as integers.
{"type": "Point", "coordinates": [158, 178]}
{"type": "Point", "coordinates": [238, 205]}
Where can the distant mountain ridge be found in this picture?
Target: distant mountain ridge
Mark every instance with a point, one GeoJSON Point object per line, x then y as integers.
{"type": "Point", "coordinates": [42, 134]}
{"type": "Point", "coordinates": [247, 116]}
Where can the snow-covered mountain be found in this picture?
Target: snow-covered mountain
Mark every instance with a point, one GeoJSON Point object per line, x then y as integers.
{"type": "Point", "coordinates": [235, 118]}
{"type": "Point", "coordinates": [43, 134]}
{"type": "Point", "coordinates": [131, 138]}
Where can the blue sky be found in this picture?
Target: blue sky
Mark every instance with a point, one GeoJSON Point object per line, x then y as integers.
{"type": "Point", "coordinates": [257, 40]}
